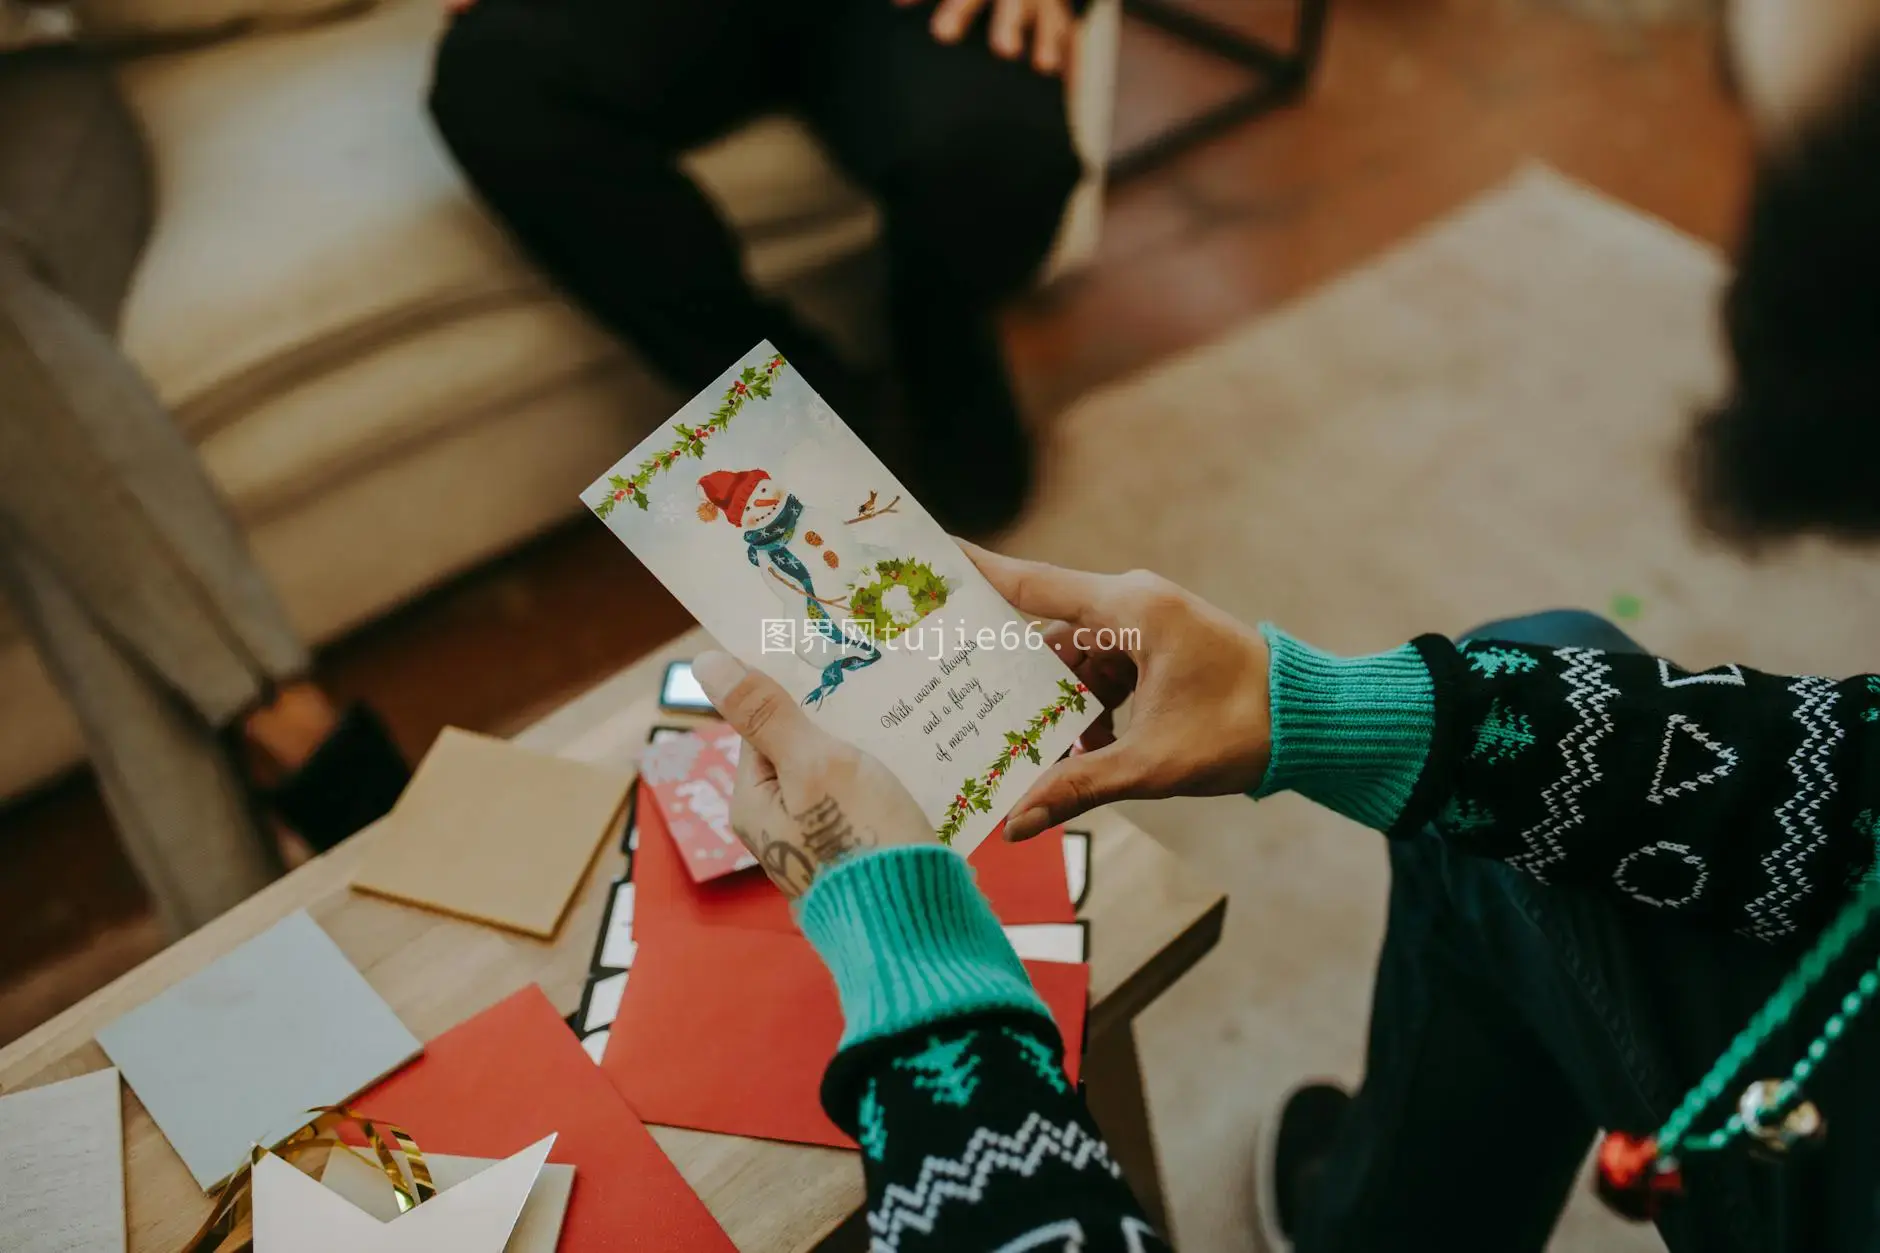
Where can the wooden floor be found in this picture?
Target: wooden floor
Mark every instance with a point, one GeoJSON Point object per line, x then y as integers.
{"type": "Point", "coordinates": [1419, 104]}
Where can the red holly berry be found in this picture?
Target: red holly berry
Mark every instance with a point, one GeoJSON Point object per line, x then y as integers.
{"type": "Point", "coordinates": [739, 388]}
{"type": "Point", "coordinates": [1082, 688]}
{"type": "Point", "coordinates": [621, 494]}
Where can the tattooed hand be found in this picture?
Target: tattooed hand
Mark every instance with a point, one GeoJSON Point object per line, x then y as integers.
{"type": "Point", "coordinates": [804, 800]}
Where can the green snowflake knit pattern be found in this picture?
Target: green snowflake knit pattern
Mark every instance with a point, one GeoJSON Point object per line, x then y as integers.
{"type": "Point", "coordinates": [946, 1071]}
{"type": "Point", "coordinates": [975, 794]}
{"type": "Point", "coordinates": [1040, 1057]}
{"type": "Point", "coordinates": [1502, 734]}
{"type": "Point", "coordinates": [1489, 662]}
{"type": "Point", "coordinates": [874, 1124]}
{"type": "Point", "coordinates": [752, 381]}
{"type": "Point", "coordinates": [1462, 816]}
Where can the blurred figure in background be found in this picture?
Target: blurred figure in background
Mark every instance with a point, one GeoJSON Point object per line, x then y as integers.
{"type": "Point", "coordinates": [115, 548]}
{"type": "Point", "coordinates": [570, 116]}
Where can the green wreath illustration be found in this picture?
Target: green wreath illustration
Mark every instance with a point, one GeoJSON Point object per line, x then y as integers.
{"type": "Point", "coordinates": [926, 591]}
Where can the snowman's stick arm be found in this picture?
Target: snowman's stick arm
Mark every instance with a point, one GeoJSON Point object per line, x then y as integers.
{"type": "Point", "coordinates": [841, 603]}
{"type": "Point", "coordinates": [875, 513]}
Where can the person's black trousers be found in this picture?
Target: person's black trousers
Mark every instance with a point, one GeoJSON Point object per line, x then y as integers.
{"type": "Point", "coordinates": [1512, 1020]}
{"type": "Point", "coordinates": [569, 117]}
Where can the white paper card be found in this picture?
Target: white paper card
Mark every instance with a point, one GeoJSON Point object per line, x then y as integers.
{"type": "Point", "coordinates": [617, 949]}
{"type": "Point", "coordinates": [237, 1053]}
{"type": "Point", "coordinates": [802, 555]}
{"type": "Point", "coordinates": [1049, 941]}
{"type": "Point", "coordinates": [62, 1167]}
{"type": "Point", "coordinates": [1077, 864]}
{"type": "Point", "coordinates": [294, 1214]}
{"type": "Point", "coordinates": [603, 1004]}
{"type": "Point", "coordinates": [538, 1230]}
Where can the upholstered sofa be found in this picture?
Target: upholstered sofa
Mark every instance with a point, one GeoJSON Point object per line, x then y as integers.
{"type": "Point", "coordinates": [382, 387]}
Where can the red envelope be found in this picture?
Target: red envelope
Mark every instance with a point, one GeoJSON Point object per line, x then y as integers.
{"type": "Point", "coordinates": [507, 1077]}
{"type": "Point", "coordinates": [689, 778]}
{"type": "Point", "coordinates": [1024, 883]}
{"type": "Point", "coordinates": [730, 1030]}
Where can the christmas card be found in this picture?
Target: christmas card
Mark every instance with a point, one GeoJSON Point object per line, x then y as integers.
{"type": "Point", "coordinates": [691, 777]}
{"type": "Point", "coordinates": [803, 556]}
{"type": "Point", "coordinates": [515, 1073]}
{"type": "Point", "coordinates": [728, 1030]}
{"type": "Point", "coordinates": [237, 1053]}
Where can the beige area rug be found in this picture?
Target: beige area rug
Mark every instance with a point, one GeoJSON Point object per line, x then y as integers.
{"type": "Point", "coordinates": [1477, 424]}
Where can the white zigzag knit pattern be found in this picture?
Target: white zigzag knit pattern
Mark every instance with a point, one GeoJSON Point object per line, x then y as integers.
{"type": "Point", "coordinates": [944, 1180]}
{"type": "Point", "coordinates": [1588, 694]}
{"type": "Point", "coordinates": [1800, 814]}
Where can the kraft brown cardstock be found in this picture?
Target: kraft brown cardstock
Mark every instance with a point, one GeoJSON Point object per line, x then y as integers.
{"type": "Point", "coordinates": [494, 833]}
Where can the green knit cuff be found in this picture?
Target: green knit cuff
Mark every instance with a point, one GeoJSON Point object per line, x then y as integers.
{"type": "Point", "coordinates": [1351, 733]}
{"type": "Point", "coordinates": [910, 941]}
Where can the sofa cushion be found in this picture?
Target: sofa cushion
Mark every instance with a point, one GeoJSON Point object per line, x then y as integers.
{"type": "Point", "coordinates": [132, 22]}
{"type": "Point", "coordinates": [309, 212]}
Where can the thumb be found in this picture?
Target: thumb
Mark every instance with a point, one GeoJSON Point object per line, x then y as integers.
{"type": "Point", "coordinates": [757, 707]}
{"type": "Point", "coordinates": [1075, 786]}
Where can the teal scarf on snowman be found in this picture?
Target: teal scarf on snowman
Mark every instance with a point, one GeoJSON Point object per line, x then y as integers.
{"type": "Point", "coordinates": [773, 541]}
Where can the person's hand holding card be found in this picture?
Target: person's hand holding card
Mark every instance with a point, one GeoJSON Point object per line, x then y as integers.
{"type": "Point", "coordinates": [1201, 723]}
{"type": "Point", "coordinates": [804, 800]}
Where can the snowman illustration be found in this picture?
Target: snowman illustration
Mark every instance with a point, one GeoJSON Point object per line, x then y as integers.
{"type": "Point", "coordinates": [812, 564]}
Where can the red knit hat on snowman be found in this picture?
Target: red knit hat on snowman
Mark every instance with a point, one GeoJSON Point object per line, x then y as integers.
{"type": "Point", "coordinates": [727, 492]}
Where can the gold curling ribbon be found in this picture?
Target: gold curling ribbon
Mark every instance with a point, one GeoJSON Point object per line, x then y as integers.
{"type": "Point", "coordinates": [230, 1225]}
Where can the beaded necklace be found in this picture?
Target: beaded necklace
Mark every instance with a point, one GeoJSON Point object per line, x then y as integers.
{"type": "Point", "coordinates": [1636, 1173]}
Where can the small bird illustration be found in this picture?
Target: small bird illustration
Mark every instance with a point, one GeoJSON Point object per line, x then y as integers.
{"type": "Point", "coordinates": [868, 506]}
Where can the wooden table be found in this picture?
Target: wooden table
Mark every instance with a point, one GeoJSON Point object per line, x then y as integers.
{"type": "Point", "coordinates": [1150, 921]}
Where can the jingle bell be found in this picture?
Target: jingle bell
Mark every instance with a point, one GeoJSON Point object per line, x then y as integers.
{"type": "Point", "coordinates": [1776, 1126]}
{"type": "Point", "coordinates": [1632, 1179]}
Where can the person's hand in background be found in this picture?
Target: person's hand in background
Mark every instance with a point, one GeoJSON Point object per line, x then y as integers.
{"type": "Point", "coordinates": [1200, 721]}
{"type": "Point", "coordinates": [1047, 25]}
{"type": "Point", "coordinates": [805, 800]}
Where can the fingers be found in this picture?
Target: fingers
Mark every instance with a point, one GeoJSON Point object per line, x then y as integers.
{"type": "Point", "coordinates": [758, 708]}
{"type": "Point", "coordinates": [952, 17]}
{"type": "Point", "coordinates": [1038, 590]}
{"type": "Point", "coordinates": [1077, 785]}
{"type": "Point", "coordinates": [1010, 19]}
{"type": "Point", "coordinates": [1050, 45]}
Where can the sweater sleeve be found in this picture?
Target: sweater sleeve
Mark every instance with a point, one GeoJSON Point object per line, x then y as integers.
{"type": "Point", "coordinates": [950, 1075]}
{"type": "Point", "coordinates": [1746, 799]}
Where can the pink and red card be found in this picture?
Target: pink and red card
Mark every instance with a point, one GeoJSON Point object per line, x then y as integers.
{"type": "Point", "coordinates": [691, 777]}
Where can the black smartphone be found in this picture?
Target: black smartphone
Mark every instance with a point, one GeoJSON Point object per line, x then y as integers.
{"type": "Point", "coordinates": [680, 692]}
